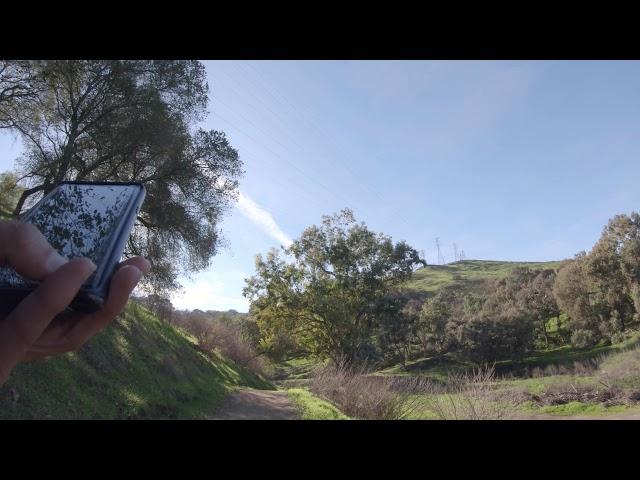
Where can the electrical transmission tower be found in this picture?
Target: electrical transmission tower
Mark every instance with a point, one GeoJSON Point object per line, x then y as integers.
{"type": "Point", "coordinates": [440, 257]}
{"type": "Point", "coordinates": [455, 252]}
{"type": "Point", "coordinates": [462, 256]}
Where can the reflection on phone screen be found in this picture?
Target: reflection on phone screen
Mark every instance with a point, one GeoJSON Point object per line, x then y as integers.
{"type": "Point", "coordinates": [78, 221]}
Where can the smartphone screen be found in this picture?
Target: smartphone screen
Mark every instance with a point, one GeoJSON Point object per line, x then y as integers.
{"type": "Point", "coordinates": [84, 220]}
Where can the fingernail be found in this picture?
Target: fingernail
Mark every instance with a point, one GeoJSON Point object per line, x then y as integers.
{"type": "Point", "coordinates": [54, 261]}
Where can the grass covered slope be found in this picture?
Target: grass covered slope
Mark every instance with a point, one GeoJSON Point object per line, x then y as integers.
{"type": "Point", "coordinates": [468, 275]}
{"type": "Point", "coordinates": [139, 367]}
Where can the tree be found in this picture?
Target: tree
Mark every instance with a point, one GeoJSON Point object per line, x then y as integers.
{"type": "Point", "coordinates": [396, 320]}
{"type": "Point", "coordinates": [615, 264]}
{"type": "Point", "coordinates": [530, 291]}
{"type": "Point", "coordinates": [572, 291]}
{"type": "Point", "coordinates": [600, 291]}
{"type": "Point", "coordinates": [488, 336]}
{"type": "Point", "coordinates": [9, 194]}
{"type": "Point", "coordinates": [431, 332]}
{"type": "Point", "coordinates": [17, 84]}
{"type": "Point", "coordinates": [127, 121]}
{"type": "Point", "coordinates": [331, 296]}
{"type": "Point", "coordinates": [161, 307]}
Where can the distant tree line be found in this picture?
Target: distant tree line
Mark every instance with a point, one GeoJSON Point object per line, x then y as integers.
{"type": "Point", "coordinates": [336, 292]}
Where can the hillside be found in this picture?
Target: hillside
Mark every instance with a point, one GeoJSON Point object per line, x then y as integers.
{"type": "Point", "coordinates": [140, 367]}
{"type": "Point", "coordinates": [469, 275]}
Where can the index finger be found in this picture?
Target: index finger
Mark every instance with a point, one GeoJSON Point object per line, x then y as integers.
{"type": "Point", "coordinates": [27, 251]}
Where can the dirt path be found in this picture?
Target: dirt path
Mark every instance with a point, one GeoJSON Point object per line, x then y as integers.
{"type": "Point", "coordinates": [249, 404]}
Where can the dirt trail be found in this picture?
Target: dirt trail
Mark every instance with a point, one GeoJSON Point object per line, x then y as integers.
{"type": "Point", "coordinates": [250, 404]}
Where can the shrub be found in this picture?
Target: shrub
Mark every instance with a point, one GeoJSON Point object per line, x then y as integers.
{"type": "Point", "coordinates": [583, 368]}
{"type": "Point", "coordinates": [550, 370]}
{"type": "Point", "coordinates": [618, 337]}
{"type": "Point", "coordinates": [226, 338]}
{"type": "Point", "coordinates": [622, 369]}
{"type": "Point", "coordinates": [582, 338]}
{"type": "Point", "coordinates": [472, 396]}
{"type": "Point", "coordinates": [365, 396]}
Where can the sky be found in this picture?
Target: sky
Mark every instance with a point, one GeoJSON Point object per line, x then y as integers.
{"type": "Point", "coordinates": [518, 160]}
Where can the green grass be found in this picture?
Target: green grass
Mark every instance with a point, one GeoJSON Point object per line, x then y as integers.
{"type": "Point", "coordinates": [139, 367]}
{"type": "Point", "coordinates": [295, 372]}
{"type": "Point", "coordinates": [312, 407]}
{"type": "Point", "coordinates": [543, 384]}
{"type": "Point", "coordinates": [435, 368]}
{"type": "Point", "coordinates": [467, 275]}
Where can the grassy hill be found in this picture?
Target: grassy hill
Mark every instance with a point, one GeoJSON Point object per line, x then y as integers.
{"type": "Point", "coordinates": [469, 275]}
{"type": "Point", "coordinates": [139, 367]}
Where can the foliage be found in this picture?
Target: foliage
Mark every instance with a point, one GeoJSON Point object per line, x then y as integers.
{"type": "Point", "coordinates": [599, 290]}
{"type": "Point", "coordinates": [364, 396]}
{"type": "Point", "coordinates": [112, 120]}
{"type": "Point", "coordinates": [469, 395]}
{"type": "Point", "coordinates": [222, 332]}
{"type": "Point", "coordinates": [332, 297]}
{"type": "Point", "coordinates": [10, 192]}
{"type": "Point", "coordinates": [583, 338]}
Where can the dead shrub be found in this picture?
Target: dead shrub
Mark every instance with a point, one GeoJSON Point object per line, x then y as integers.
{"type": "Point", "coordinates": [565, 392]}
{"type": "Point", "coordinates": [622, 369]}
{"type": "Point", "coordinates": [583, 368]}
{"type": "Point", "coordinates": [224, 338]}
{"type": "Point", "coordinates": [472, 395]}
{"type": "Point", "coordinates": [227, 339]}
{"type": "Point", "coordinates": [364, 396]}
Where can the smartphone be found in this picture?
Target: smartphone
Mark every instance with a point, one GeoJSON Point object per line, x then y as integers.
{"type": "Point", "coordinates": [81, 219]}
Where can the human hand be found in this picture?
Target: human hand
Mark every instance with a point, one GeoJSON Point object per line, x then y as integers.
{"type": "Point", "coordinates": [39, 326]}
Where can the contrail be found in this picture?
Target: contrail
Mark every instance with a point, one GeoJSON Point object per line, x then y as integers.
{"type": "Point", "coordinates": [262, 218]}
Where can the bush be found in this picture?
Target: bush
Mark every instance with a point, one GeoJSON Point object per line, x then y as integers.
{"type": "Point", "coordinates": [491, 336]}
{"type": "Point", "coordinates": [364, 396]}
{"type": "Point", "coordinates": [584, 368]}
{"type": "Point", "coordinates": [225, 338]}
{"type": "Point", "coordinates": [472, 396]}
{"type": "Point", "coordinates": [622, 369]}
{"type": "Point", "coordinates": [583, 338]}
{"type": "Point", "coordinates": [618, 337]}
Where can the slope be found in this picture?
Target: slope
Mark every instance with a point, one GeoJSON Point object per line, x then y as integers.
{"type": "Point", "coordinates": [139, 367]}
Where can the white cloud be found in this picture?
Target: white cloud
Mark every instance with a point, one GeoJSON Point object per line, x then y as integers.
{"type": "Point", "coordinates": [262, 218]}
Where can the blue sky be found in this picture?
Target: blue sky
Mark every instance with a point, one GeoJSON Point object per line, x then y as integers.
{"type": "Point", "coordinates": [509, 160]}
